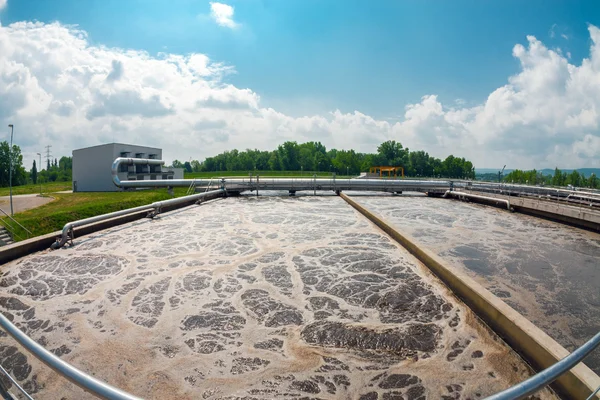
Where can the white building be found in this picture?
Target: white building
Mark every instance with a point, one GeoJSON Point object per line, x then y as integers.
{"type": "Point", "coordinates": [92, 167]}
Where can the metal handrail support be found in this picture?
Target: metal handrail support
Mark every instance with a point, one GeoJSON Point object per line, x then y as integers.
{"type": "Point", "coordinates": [11, 229]}
{"type": "Point", "coordinates": [79, 378]}
{"type": "Point", "coordinates": [154, 208]}
{"type": "Point", "coordinates": [547, 376]}
{"type": "Point", "coordinates": [16, 222]}
{"type": "Point", "coordinates": [14, 382]}
{"type": "Point", "coordinates": [209, 183]}
{"type": "Point", "coordinates": [191, 188]}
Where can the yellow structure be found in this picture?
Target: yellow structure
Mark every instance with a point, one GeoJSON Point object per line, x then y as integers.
{"type": "Point", "coordinates": [387, 171]}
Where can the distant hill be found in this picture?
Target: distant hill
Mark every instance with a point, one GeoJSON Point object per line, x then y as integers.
{"type": "Point", "coordinates": [584, 171]}
{"type": "Point", "coordinates": [546, 171]}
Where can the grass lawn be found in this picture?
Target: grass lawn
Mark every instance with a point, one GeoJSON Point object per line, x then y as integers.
{"type": "Point", "coordinates": [29, 189]}
{"type": "Point", "coordinates": [69, 207]}
{"type": "Point", "coordinates": [266, 174]}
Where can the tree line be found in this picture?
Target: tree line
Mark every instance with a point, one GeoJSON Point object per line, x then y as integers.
{"type": "Point", "coordinates": [57, 170]}
{"type": "Point", "coordinates": [559, 178]}
{"type": "Point", "coordinates": [314, 157]}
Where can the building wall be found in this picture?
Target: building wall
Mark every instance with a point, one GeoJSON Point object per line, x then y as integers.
{"type": "Point", "coordinates": [91, 169]}
{"type": "Point", "coordinates": [92, 165]}
{"type": "Point", "coordinates": [177, 172]}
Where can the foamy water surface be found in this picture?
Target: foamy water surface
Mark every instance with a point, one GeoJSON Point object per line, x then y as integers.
{"type": "Point", "coordinates": [253, 298]}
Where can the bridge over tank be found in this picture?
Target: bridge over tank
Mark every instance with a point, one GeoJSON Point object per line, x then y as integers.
{"type": "Point", "coordinates": [291, 185]}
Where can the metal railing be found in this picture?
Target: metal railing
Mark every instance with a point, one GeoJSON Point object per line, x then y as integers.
{"type": "Point", "coordinates": [550, 374]}
{"type": "Point", "coordinates": [192, 188]}
{"type": "Point", "coordinates": [86, 382]}
{"type": "Point", "coordinates": [11, 228]}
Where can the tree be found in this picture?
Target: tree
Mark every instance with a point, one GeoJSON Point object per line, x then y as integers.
{"type": "Point", "coordinates": [19, 176]}
{"type": "Point", "coordinates": [187, 166]}
{"type": "Point", "coordinates": [65, 163]}
{"type": "Point", "coordinates": [393, 153]}
{"type": "Point", "coordinates": [177, 164]}
{"type": "Point", "coordinates": [196, 165]}
{"type": "Point", "coordinates": [313, 156]}
{"type": "Point", "coordinates": [34, 173]}
{"type": "Point", "coordinates": [47, 164]}
{"type": "Point", "coordinates": [593, 181]}
{"type": "Point", "coordinates": [575, 179]}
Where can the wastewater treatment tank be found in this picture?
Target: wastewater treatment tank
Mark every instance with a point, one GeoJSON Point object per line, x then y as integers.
{"type": "Point", "coordinates": [250, 298]}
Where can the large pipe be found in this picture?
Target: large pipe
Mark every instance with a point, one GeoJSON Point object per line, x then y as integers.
{"type": "Point", "coordinates": [516, 190]}
{"type": "Point", "coordinates": [156, 206]}
{"type": "Point", "coordinates": [243, 184]}
{"type": "Point", "coordinates": [478, 197]}
{"type": "Point", "coordinates": [81, 379]}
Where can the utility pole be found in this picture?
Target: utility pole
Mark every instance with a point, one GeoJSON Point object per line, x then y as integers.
{"type": "Point", "coordinates": [500, 174]}
{"type": "Point", "coordinates": [10, 156]}
{"type": "Point", "coordinates": [39, 170]}
{"type": "Point", "coordinates": [48, 158]}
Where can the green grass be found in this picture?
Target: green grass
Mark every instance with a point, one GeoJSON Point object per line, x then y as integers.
{"type": "Point", "coordinates": [69, 207]}
{"type": "Point", "coordinates": [244, 174]}
{"type": "Point", "coordinates": [50, 187]}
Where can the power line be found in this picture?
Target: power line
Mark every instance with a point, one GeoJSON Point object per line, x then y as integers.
{"type": "Point", "coordinates": [48, 157]}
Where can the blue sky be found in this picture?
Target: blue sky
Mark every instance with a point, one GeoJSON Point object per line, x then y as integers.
{"type": "Point", "coordinates": [306, 56]}
{"type": "Point", "coordinates": [499, 82]}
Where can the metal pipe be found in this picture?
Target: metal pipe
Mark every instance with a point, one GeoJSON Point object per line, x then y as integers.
{"type": "Point", "coordinates": [243, 184]}
{"type": "Point", "coordinates": [547, 376]}
{"type": "Point", "coordinates": [119, 160]}
{"type": "Point", "coordinates": [14, 382]}
{"type": "Point", "coordinates": [156, 206]}
{"type": "Point", "coordinates": [475, 196]}
{"type": "Point", "coordinates": [80, 378]}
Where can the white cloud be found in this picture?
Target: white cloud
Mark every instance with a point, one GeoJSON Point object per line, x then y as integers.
{"type": "Point", "coordinates": [222, 14]}
{"type": "Point", "coordinates": [2, 4]}
{"type": "Point", "coordinates": [59, 89]}
{"type": "Point", "coordinates": [551, 33]}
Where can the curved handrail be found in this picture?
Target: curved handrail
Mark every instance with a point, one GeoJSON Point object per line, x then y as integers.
{"type": "Point", "coordinates": [547, 376]}
{"type": "Point", "coordinates": [80, 378]}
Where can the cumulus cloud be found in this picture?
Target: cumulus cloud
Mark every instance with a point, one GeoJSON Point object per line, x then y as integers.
{"type": "Point", "coordinates": [59, 89]}
{"type": "Point", "coordinates": [2, 4]}
{"type": "Point", "coordinates": [222, 14]}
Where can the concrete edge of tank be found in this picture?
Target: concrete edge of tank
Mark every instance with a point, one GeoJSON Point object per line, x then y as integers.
{"type": "Point", "coordinates": [534, 345]}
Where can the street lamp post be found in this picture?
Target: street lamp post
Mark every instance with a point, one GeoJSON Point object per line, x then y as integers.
{"type": "Point", "coordinates": [39, 176]}
{"type": "Point", "coordinates": [10, 157]}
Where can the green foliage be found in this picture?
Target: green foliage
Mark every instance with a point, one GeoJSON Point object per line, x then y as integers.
{"type": "Point", "coordinates": [313, 156]}
{"type": "Point", "coordinates": [177, 164]}
{"type": "Point", "coordinates": [33, 173]}
{"type": "Point", "coordinates": [559, 178]}
{"type": "Point", "coordinates": [59, 171]}
{"type": "Point", "coordinates": [19, 176]}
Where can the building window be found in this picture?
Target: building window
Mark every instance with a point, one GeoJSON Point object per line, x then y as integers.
{"type": "Point", "coordinates": [152, 156]}
{"type": "Point", "coordinates": [139, 155]}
